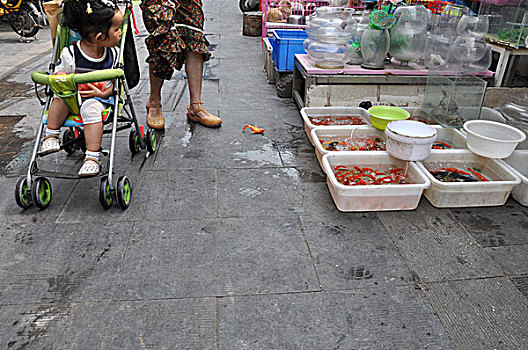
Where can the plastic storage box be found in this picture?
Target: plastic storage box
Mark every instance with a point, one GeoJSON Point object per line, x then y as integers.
{"type": "Point", "coordinates": [518, 161]}
{"type": "Point", "coordinates": [319, 133]}
{"type": "Point", "coordinates": [307, 112]}
{"type": "Point", "coordinates": [287, 43]}
{"type": "Point", "coordinates": [268, 60]}
{"type": "Point", "coordinates": [469, 194]}
{"type": "Point", "coordinates": [373, 197]}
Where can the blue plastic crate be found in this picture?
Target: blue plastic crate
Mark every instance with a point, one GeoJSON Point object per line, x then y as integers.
{"type": "Point", "coordinates": [287, 43]}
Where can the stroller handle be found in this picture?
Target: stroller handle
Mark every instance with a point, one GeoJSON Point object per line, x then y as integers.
{"type": "Point", "coordinates": [42, 77]}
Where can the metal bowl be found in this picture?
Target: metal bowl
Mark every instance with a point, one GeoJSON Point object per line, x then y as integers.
{"type": "Point", "coordinates": [296, 19]}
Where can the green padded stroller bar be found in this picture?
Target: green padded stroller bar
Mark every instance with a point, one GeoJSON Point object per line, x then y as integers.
{"type": "Point", "coordinates": [42, 77]}
{"type": "Point", "coordinates": [65, 86]}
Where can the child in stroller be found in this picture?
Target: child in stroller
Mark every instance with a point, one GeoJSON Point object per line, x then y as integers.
{"type": "Point", "coordinates": [99, 24]}
{"type": "Point", "coordinates": [78, 108]}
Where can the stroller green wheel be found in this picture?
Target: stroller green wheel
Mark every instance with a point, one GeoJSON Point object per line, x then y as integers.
{"type": "Point", "coordinates": [22, 193]}
{"type": "Point", "coordinates": [152, 141]}
{"type": "Point", "coordinates": [133, 141]}
{"type": "Point", "coordinates": [68, 141]}
{"type": "Point", "coordinates": [105, 194]}
{"type": "Point", "coordinates": [124, 192]}
{"type": "Point", "coordinates": [41, 192]}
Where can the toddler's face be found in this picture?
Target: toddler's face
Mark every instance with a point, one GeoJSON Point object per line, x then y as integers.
{"type": "Point", "coordinates": [114, 34]}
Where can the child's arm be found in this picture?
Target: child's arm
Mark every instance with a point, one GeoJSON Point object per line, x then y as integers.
{"type": "Point", "coordinates": [96, 91]}
{"type": "Point", "coordinates": [65, 64]}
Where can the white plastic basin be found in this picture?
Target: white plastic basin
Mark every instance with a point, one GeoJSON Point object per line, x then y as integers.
{"type": "Point", "coordinates": [409, 139]}
{"type": "Point", "coordinates": [492, 139]}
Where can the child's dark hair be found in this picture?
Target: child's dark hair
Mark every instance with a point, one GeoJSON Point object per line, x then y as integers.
{"type": "Point", "coordinates": [89, 17]}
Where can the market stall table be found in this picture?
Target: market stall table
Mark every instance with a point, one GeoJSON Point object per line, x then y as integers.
{"type": "Point", "coordinates": [507, 55]}
{"type": "Point", "coordinates": [396, 84]}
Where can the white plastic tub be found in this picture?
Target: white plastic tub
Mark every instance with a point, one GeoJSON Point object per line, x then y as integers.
{"type": "Point", "coordinates": [409, 139]}
{"type": "Point", "coordinates": [518, 161]}
{"type": "Point", "coordinates": [492, 139]}
{"type": "Point", "coordinates": [373, 197]}
{"type": "Point", "coordinates": [319, 133]}
{"type": "Point", "coordinates": [469, 194]}
{"type": "Point", "coordinates": [496, 115]}
{"type": "Point", "coordinates": [269, 67]}
{"type": "Point", "coordinates": [307, 112]}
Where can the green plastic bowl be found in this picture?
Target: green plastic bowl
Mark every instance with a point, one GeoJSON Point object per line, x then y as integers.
{"type": "Point", "coordinates": [380, 116]}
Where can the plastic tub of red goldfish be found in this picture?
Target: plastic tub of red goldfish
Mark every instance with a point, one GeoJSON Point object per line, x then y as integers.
{"type": "Point", "coordinates": [331, 117]}
{"type": "Point", "coordinates": [394, 184]}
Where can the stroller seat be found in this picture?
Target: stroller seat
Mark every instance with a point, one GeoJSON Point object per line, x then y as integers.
{"type": "Point", "coordinates": [76, 120]}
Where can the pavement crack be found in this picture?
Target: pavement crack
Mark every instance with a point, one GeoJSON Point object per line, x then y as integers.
{"type": "Point", "coordinates": [225, 256]}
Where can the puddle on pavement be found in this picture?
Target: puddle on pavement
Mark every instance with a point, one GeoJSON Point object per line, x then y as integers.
{"type": "Point", "coordinates": [266, 155]}
{"type": "Point", "coordinates": [186, 139]}
{"type": "Point", "coordinates": [10, 143]}
{"type": "Point", "coordinates": [291, 172]}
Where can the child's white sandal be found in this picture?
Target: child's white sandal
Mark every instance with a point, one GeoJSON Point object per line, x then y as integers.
{"type": "Point", "coordinates": [90, 167]}
{"type": "Point", "coordinates": [50, 144]}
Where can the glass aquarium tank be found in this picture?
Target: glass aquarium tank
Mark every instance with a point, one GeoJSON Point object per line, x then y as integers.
{"type": "Point", "coordinates": [452, 100]}
{"type": "Point", "coordinates": [508, 21]}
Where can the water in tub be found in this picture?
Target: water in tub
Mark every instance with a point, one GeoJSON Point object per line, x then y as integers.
{"type": "Point", "coordinates": [460, 171]}
{"type": "Point", "coordinates": [373, 174]}
{"type": "Point", "coordinates": [344, 143]}
{"type": "Point", "coordinates": [337, 120]}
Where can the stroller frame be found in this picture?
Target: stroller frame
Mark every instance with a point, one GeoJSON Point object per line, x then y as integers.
{"type": "Point", "coordinates": [35, 188]}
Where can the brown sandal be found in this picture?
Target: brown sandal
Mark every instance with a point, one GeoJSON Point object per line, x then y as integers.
{"type": "Point", "coordinates": [208, 119]}
{"type": "Point", "coordinates": [155, 121]}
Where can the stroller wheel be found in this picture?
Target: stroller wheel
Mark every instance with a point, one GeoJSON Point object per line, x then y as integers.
{"type": "Point", "coordinates": [22, 193]}
{"type": "Point", "coordinates": [68, 141]}
{"type": "Point", "coordinates": [82, 141]}
{"type": "Point", "coordinates": [124, 192]}
{"type": "Point", "coordinates": [105, 195]}
{"type": "Point", "coordinates": [133, 141]}
{"type": "Point", "coordinates": [41, 192]}
{"type": "Point", "coordinates": [152, 140]}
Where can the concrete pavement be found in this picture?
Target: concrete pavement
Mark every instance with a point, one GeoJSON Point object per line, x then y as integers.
{"type": "Point", "coordinates": [232, 240]}
{"type": "Point", "coordinates": [20, 53]}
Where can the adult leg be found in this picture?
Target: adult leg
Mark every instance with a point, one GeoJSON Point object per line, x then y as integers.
{"type": "Point", "coordinates": [196, 112]}
{"type": "Point", "coordinates": [155, 117]}
{"type": "Point", "coordinates": [194, 70]}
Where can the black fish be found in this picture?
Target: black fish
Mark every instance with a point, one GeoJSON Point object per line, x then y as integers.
{"type": "Point", "coordinates": [451, 176]}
